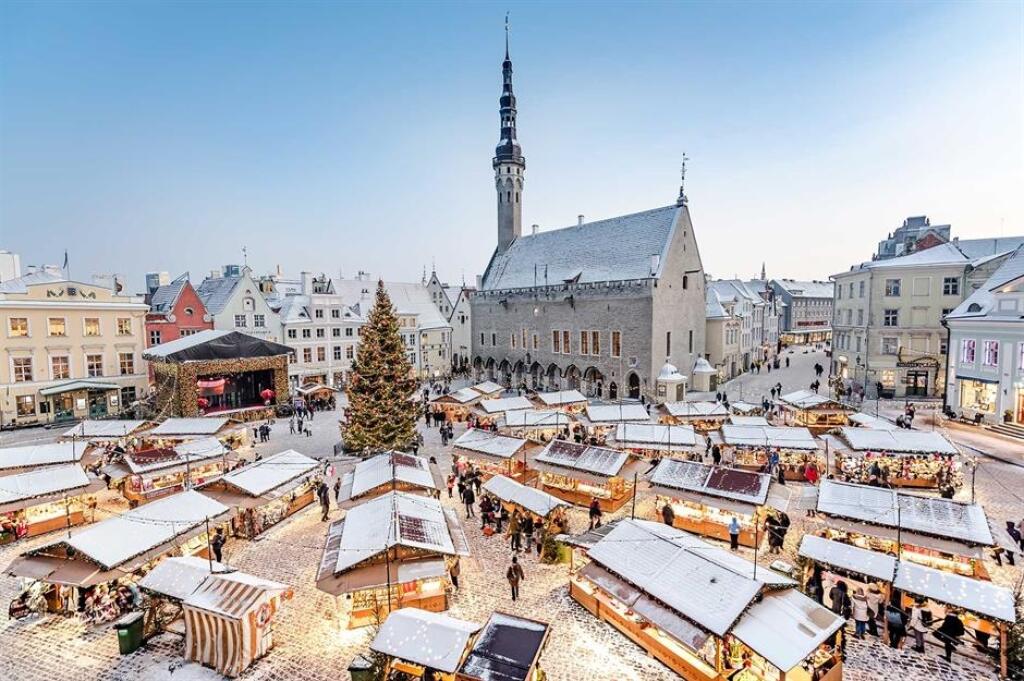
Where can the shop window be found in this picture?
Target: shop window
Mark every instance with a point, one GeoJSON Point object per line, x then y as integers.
{"type": "Point", "coordinates": [93, 365]}
{"type": "Point", "coordinates": [990, 353]}
{"type": "Point", "coordinates": [17, 327]}
{"type": "Point", "coordinates": [126, 361]}
{"type": "Point", "coordinates": [888, 378]}
{"type": "Point", "coordinates": [26, 405]}
{"type": "Point", "coordinates": [967, 348]}
{"type": "Point", "coordinates": [978, 395]}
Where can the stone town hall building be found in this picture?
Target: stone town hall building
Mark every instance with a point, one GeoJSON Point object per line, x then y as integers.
{"type": "Point", "coordinates": [599, 306]}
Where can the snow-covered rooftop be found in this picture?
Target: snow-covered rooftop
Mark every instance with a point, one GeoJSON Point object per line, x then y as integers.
{"type": "Point", "coordinates": [534, 500]}
{"type": "Point", "coordinates": [487, 442]}
{"type": "Point", "coordinates": [191, 451]}
{"type": "Point", "coordinates": [42, 482]}
{"type": "Point", "coordinates": [488, 388]}
{"type": "Point", "coordinates": [715, 481]}
{"type": "Point", "coordinates": [532, 418]}
{"type": "Point", "coordinates": [569, 455]}
{"type": "Point", "coordinates": [42, 455]}
{"type": "Point", "coordinates": [984, 598]}
{"type": "Point", "coordinates": [897, 441]}
{"type": "Point", "coordinates": [848, 557]}
{"type": "Point", "coordinates": [655, 436]}
{"type": "Point", "coordinates": [178, 576]}
{"type": "Point", "coordinates": [874, 422]}
{"type": "Point", "coordinates": [462, 395]}
{"type": "Point", "coordinates": [380, 469]}
{"type": "Point", "coordinates": [748, 421]}
{"type": "Point", "coordinates": [983, 304]}
{"type": "Point", "coordinates": [266, 475]}
{"type": "Point", "coordinates": [617, 413]}
{"type": "Point", "coordinates": [560, 397]}
{"type": "Point", "coordinates": [806, 399]}
{"type": "Point", "coordinates": [103, 429]}
{"type": "Point", "coordinates": [173, 427]}
{"type": "Point", "coordinates": [430, 639]}
{"type": "Point", "coordinates": [696, 410]}
{"type": "Point", "coordinates": [782, 437]}
{"type": "Point", "coordinates": [504, 404]}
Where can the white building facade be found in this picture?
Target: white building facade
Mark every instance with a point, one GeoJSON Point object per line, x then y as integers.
{"type": "Point", "coordinates": [234, 301]}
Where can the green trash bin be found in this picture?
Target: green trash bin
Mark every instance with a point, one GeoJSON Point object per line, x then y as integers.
{"type": "Point", "coordinates": [361, 669]}
{"type": "Point", "coordinates": [129, 632]}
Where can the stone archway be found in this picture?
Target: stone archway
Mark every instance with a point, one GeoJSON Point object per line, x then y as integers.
{"type": "Point", "coordinates": [593, 382]}
{"type": "Point", "coordinates": [554, 377]}
{"type": "Point", "coordinates": [572, 377]}
{"type": "Point", "coordinates": [634, 385]}
{"type": "Point", "coordinates": [505, 373]}
{"type": "Point", "coordinates": [518, 374]}
{"type": "Point", "coordinates": [536, 375]}
{"type": "Point", "coordinates": [489, 368]}
{"type": "Point", "coordinates": [478, 367]}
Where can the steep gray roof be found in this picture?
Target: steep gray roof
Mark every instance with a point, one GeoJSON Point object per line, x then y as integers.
{"type": "Point", "coordinates": [608, 250]}
{"type": "Point", "coordinates": [713, 305]}
{"type": "Point", "coordinates": [982, 303]}
{"type": "Point", "coordinates": [163, 299]}
{"type": "Point", "coordinates": [215, 292]}
{"type": "Point", "coordinates": [806, 289]}
{"type": "Point", "coordinates": [979, 248]}
{"type": "Point", "coordinates": [408, 299]}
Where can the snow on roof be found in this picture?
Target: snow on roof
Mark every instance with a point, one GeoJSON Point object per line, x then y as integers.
{"type": "Point", "coordinates": [502, 404]}
{"type": "Point", "coordinates": [178, 576]}
{"type": "Point", "coordinates": [21, 284]}
{"type": "Point", "coordinates": [425, 638]}
{"type": "Point", "coordinates": [785, 627]}
{"type": "Point", "coordinates": [978, 596]}
{"type": "Point", "coordinates": [486, 442]}
{"type": "Point", "coordinates": [749, 421]}
{"type": "Point", "coordinates": [233, 594]}
{"type": "Point", "coordinates": [190, 451]}
{"type": "Point", "coordinates": [488, 388]}
{"type": "Point", "coordinates": [715, 481]}
{"type": "Point", "coordinates": [713, 305]}
{"type": "Point", "coordinates": [533, 418]}
{"type": "Point", "coordinates": [805, 399]}
{"type": "Point", "coordinates": [874, 422]}
{"type": "Point", "coordinates": [560, 397]}
{"type": "Point", "coordinates": [696, 409]}
{"type": "Point", "coordinates": [215, 292]}
{"type": "Point", "coordinates": [706, 584]}
{"type": "Point", "coordinates": [740, 407]}
{"type": "Point", "coordinates": [103, 429]}
{"type": "Point", "coordinates": [377, 471]}
{"type": "Point", "coordinates": [189, 426]}
{"type": "Point", "coordinates": [617, 249]}
{"type": "Point", "coordinates": [41, 482]}
{"type": "Point", "coordinates": [505, 650]}
{"type": "Point", "coordinates": [162, 300]}
{"type": "Point", "coordinates": [598, 460]}
{"type": "Point", "coordinates": [655, 434]}
{"type": "Point", "coordinates": [982, 303]}
{"type": "Point", "coordinates": [897, 441]}
{"type": "Point", "coordinates": [928, 515]}
{"type": "Point", "coordinates": [462, 395]}
{"type": "Point", "coordinates": [116, 540]}
{"type": "Point", "coordinates": [42, 455]}
{"type": "Point", "coordinates": [783, 437]}
{"type": "Point", "coordinates": [848, 557]}
{"type": "Point", "coordinates": [409, 299]}
{"type": "Point", "coordinates": [534, 500]}
{"type": "Point", "coordinates": [186, 342]}
{"type": "Point", "coordinates": [617, 413]}
{"type": "Point", "coordinates": [260, 477]}
{"type": "Point", "coordinates": [395, 518]}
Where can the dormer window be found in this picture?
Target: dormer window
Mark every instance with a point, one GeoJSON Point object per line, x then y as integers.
{"type": "Point", "coordinates": [974, 307]}
{"type": "Point", "coordinates": [189, 311]}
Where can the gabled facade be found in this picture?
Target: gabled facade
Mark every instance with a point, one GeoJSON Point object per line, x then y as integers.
{"type": "Point", "coordinates": [234, 301]}
{"type": "Point", "coordinates": [175, 310]}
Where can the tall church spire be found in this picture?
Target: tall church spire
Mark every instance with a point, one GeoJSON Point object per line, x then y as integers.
{"type": "Point", "coordinates": [508, 162]}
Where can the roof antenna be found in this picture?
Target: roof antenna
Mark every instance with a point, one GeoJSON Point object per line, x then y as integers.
{"type": "Point", "coordinates": [681, 201]}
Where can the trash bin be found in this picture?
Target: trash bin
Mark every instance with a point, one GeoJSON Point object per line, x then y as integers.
{"type": "Point", "coordinates": [129, 632]}
{"type": "Point", "coordinates": [361, 669]}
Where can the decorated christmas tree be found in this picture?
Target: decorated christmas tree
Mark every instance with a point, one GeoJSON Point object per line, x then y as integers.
{"type": "Point", "coordinates": [381, 414]}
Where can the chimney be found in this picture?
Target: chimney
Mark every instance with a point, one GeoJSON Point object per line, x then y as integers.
{"type": "Point", "coordinates": [533, 229]}
{"type": "Point", "coordinates": [307, 282]}
{"type": "Point", "coordinates": [579, 219]}
{"type": "Point", "coordinates": [655, 261]}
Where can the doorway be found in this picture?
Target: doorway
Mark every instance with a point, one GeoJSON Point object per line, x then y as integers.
{"type": "Point", "coordinates": [634, 387]}
{"type": "Point", "coordinates": [917, 383]}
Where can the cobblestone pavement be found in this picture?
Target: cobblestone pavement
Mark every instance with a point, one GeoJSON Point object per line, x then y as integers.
{"type": "Point", "coordinates": [310, 645]}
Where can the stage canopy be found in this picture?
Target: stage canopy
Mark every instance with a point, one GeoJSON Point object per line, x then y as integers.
{"type": "Point", "coordinates": [212, 345]}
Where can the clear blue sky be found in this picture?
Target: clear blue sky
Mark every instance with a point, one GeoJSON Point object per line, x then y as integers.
{"type": "Point", "coordinates": [325, 136]}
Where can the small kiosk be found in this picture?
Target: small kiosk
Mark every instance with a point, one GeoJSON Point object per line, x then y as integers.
{"type": "Point", "coordinates": [811, 410]}
{"type": "Point", "coordinates": [906, 458]}
{"type": "Point", "coordinates": [149, 474]}
{"type": "Point", "coordinates": [544, 507]}
{"type": "Point", "coordinates": [705, 612]}
{"type": "Point", "coordinates": [44, 500]}
{"type": "Point", "coordinates": [101, 432]}
{"type": "Point", "coordinates": [568, 401]}
{"type": "Point", "coordinates": [749, 447]}
{"type": "Point", "coordinates": [456, 405]}
{"type": "Point", "coordinates": [655, 440]}
{"type": "Point", "coordinates": [702, 416]}
{"type": "Point", "coordinates": [388, 553]}
{"type": "Point", "coordinates": [265, 492]}
{"type": "Point", "coordinates": [940, 533]}
{"type": "Point", "coordinates": [489, 389]}
{"type": "Point", "coordinates": [388, 472]}
{"type": "Point", "coordinates": [536, 425]}
{"type": "Point", "coordinates": [507, 649]}
{"type": "Point", "coordinates": [600, 419]}
{"type": "Point", "coordinates": [580, 473]}
{"type": "Point", "coordinates": [31, 457]}
{"type": "Point", "coordinates": [490, 411]}
{"type": "Point", "coordinates": [491, 453]}
{"type": "Point", "coordinates": [415, 641]}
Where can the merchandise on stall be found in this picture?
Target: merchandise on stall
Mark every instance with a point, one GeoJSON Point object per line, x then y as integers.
{"type": "Point", "coordinates": [491, 453]}
{"type": "Point", "coordinates": [903, 458]}
{"type": "Point", "coordinates": [391, 471]}
{"type": "Point", "coordinates": [812, 410]}
{"type": "Point", "coordinates": [702, 416]}
{"type": "Point", "coordinates": [44, 500]}
{"type": "Point", "coordinates": [655, 440]}
{"type": "Point", "coordinates": [580, 473]}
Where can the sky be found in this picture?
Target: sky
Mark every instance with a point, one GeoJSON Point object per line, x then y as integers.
{"type": "Point", "coordinates": [338, 137]}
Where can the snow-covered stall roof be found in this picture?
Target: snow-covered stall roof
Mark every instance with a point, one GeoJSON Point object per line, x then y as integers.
{"type": "Point", "coordinates": [42, 455]}
{"type": "Point", "coordinates": [430, 639]}
{"type": "Point", "coordinates": [978, 596]}
{"type": "Point", "coordinates": [488, 388]}
{"type": "Point", "coordinates": [715, 481]}
{"type": "Point", "coordinates": [808, 399]}
{"type": "Point", "coordinates": [848, 557]}
{"type": "Point", "coordinates": [490, 443]}
{"type": "Point", "coordinates": [578, 457]}
{"type": "Point", "coordinates": [698, 410]}
{"type": "Point", "coordinates": [749, 421]}
{"type": "Point", "coordinates": [503, 404]}
{"type": "Point", "coordinates": [260, 477]}
{"type": "Point", "coordinates": [192, 451]}
{"type": "Point", "coordinates": [533, 418]}
{"type": "Point", "coordinates": [741, 407]}
{"type": "Point", "coordinates": [174, 427]}
{"type": "Point", "coordinates": [505, 650]}
{"type": "Point", "coordinates": [462, 396]}
{"type": "Point", "coordinates": [177, 577]}
{"type": "Point", "coordinates": [534, 500]}
{"type": "Point", "coordinates": [559, 397]}
{"type": "Point", "coordinates": [117, 540]}
{"type": "Point", "coordinates": [99, 430]}
{"type": "Point", "coordinates": [897, 441]}
{"type": "Point", "coordinates": [934, 516]}
{"type": "Point", "coordinates": [233, 594]}
{"type": "Point", "coordinates": [617, 413]}
{"type": "Point", "coordinates": [379, 470]}
{"type": "Point", "coordinates": [69, 479]}
{"type": "Point", "coordinates": [874, 422]}
{"type": "Point", "coordinates": [655, 436]}
{"type": "Point", "coordinates": [782, 437]}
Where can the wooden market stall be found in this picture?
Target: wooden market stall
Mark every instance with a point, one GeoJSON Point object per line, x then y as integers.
{"type": "Point", "coordinates": [741, 408]}
{"type": "Point", "coordinates": [388, 472]}
{"type": "Point", "coordinates": [705, 612]}
{"type": "Point", "coordinates": [749, 421]}
{"type": "Point", "coordinates": [492, 454]}
{"type": "Point", "coordinates": [112, 430]}
{"type": "Point", "coordinates": [508, 648]}
{"type": "Point", "coordinates": [265, 492]}
{"type": "Point", "coordinates": [491, 411]}
{"type": "Point", "coordinates": [702, 416]}
{"type": "Point", "coordinates": [601, 419]}
{"type": "Point", "coordinates": [654, 440]}
{"type": "Point", "coordinates": [456, 405]}
{"type": "Point", "coordinates": [568, 401]}
{"type": "Point", "coordinates": [536, 425]}
{"type": "Point", "coordinates": [749, 447]}
{"type": "Point", "coordinates": [89, 571]}
{"type": "Point", "coordinates": [174, 430]}
{"type": "Point", "coordinates": [31, 457]}
{"type": "Point", "coordinates": [579, 473]}
{"type": "Point", "coordinates": [941, 533]}
{"type": "Point", "coordinates": [416, 642]}
{"type": "Point", "coordinates": [902, 458]}
{"type": "Point", "coordinates": [147, 474]}
{"type": "Point", "coordinates": [546, 509]}
{"type": "Point", "coordinates": [489, 389]}
{"type": "Point", "coordinates": [811, 410]}
{"type": "Point", "coordinates": [388, 553]}
{"type": "Point", "coordinates": [46, 499]}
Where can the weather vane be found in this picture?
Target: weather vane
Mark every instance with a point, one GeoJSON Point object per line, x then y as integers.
{"type": "Point", "coordinates": [682, 180]}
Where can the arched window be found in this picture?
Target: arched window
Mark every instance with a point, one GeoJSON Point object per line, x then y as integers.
{"type": "Point", "coordinates": [517, 197]}
{"type": "Point", "coordinates": [686, 281]}
{"type": "Point", "coordinates": [508, 197]}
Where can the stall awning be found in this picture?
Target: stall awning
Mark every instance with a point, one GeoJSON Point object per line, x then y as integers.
{"type": "Point", "coordinates": [872, 564]}
{"type": "Point", "coordinates": [536, 501]}
{"type": "Point", "coordinates": [62, 571]}
{"type": "Point", "coordinates": [431, 639]}
{"type": "Point", "coordinates": [376, 575]}
{"type": "Point", "coordinates": [906, 536]}
{"type": "Point", "coordinates": [981, 597]}
{"type": "Point", "coordinates": [73, 386]}
{"type": "Point", "coordinates": [623, 591]}
{"type": "Point", "coordinates": [896, 441]}
{"type": "Point", "coordinates": [705, 500]}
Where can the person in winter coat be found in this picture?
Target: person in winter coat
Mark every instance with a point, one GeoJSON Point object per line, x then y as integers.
{"type": "Point", "coordinates": [515, 532]}
{"type": "Point", "coordinates": [527, 527]}
{"type": "Point", "coordinates": [469, 498]}
{"type": "Point", "coordinates": [734, 534]}
{"type": "Point", "coordinates": [949, 632]}
{"type": "Point", "coordinates": [514, 575]}
{"type": "Point", "coordinates": [668, 515]}
{"type": "Point", "coordinates": [896, 622]}
{"type": "Point", "coordinates": [916, 626]}
{"type": "Point", "coordinates": [860, 612]}
{"type": "Point", "coordinates": [454, 571]}
{"type": "Point", "coordinates": [840, 600]}
{"type": "Point", "coordinates": [217, 544]}
{"type": "Point", "coordinates": [323, 493]}
{"type": "Point", "coordinates": [595, 513]}
{"type": "Point", "coordinates": [874, 597]}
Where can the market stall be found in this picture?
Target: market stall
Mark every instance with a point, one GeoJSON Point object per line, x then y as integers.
{"type": "Point", "coordinates": [705, 612]}
{"type": "Point", "coordinates": [941, 533]}
{"type": "Point", "coordinates": [92, 572]}
{"type": "Point", "coordinates": [112, 430]}
{"type": "Point", "coordinates": [456, 405]}
{"type": "Point", "coordinates": [809, 409]}
{"type": "Point", "coordinates": [491, 411]}
{"type": "Point", "coordinates": [749, 421]}
{"type": "Point", "coordinates": [390, 472]}
{"type": "Point", "coordinates": [181, 429]}
{"type": "Point", "coordinates": [749, 447]}
{"type": "Point", "coordinates": [545, 508]}
{"type": "Point", "coordinates": [489, 389]}
{"type": "Point", "coordinates": [265, 492]}
{"type": "Point", "coordinates": [391, 552]}
{"type": "Point", "coordinates": [416, 641]}
{"type": "Point", "coordinates": [148, 474]}
{"type": "Point", "coordinates": [903, 458]}
{"type": "Point", "coordinates": [536, 425]}
{"type": "Point", "coordinates": [741, 408]}
{"type": "Point", "coordinates": [702, 416]}
{"type": "Point", "coordinates": [580, 473]}
{"type": "Point", "coordinates": [44, 500]}
{"type": "Point", "coordinates": [654, 440]}
{"type": "Point", "coordinates": [600, 419]}
{"type": "Point", "coordinates": [508, 648]}
{"type": "Point", "coordinates": [873, 422]}
{"type": "Point", "coordinates": [491, 453]}
{"type": "Point", "coordinates": [568, 401]}
{"type": "Point", "coordinates": [30, 457]}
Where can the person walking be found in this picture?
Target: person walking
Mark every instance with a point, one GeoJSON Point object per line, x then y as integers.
{"type": "Point", "coordinates": [515, 532]}
{"type": "Point", "coordinates": [734, 533]}
{"type": "Point", "coordinates": [949, 632]}
{"type": "Point", "coordinates": [469, 498]}
{"type": "Point", "coordinates": [528, 526]}
{"type": "Point", "coordinates": [860, 613]}
{"type": "Point", "coordinates": [595, 513]}
{"type": "Point", "coordinates": [291, 425]}
{"type": "Point", "coordinates": [874, 597]}
{"type": "Point", "coordinates": [451, 485]}
{"type": "Point", "coordinates": [323, 493]}
{"type": "Point", "coordinates": [668, 516]}
{"type": "Point", "coordinates": [916, 626]}
{"type": "Point", "coordinates": [453, 572]}
{"type": "Point", "coordinates": [896, 622]}
{"type": "Point", "coordinates": [716, 455]}
{"type": "Point", "coordinates": [839, 600]}
{"type": "Point", "coordinates": [515, 575]}
{"type": "Point", "coordinates": [217, 544]}
{"type": "Point", "coordinates": [337, 491]}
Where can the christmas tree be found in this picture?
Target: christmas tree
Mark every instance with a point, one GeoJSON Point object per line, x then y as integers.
{"type": "Point", "coordinates": [381, 414]}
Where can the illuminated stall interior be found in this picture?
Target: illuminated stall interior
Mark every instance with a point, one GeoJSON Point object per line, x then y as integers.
{"type": "Point", "coordinates": [265, 492]}
{"type": "Point", "coordinates": [939, 533]}
{"type": "Point", "coordinates": [536, 425]}
{"type": "Point", "coordinates": [456, 405]}
{"type": "Point", "coordinates": [387, 472]}
{"type": "Point", "coordinates": [749, 447]}
{"type": "Point", "coordinates": [157, 472]}
{"type": "Point", "coordinates": [388, 553]}
{"type": "Point", "coordinates": [811, 410]}
{"type": "Point", "coordinates": [600, 419]}
{"type": "Point", "coordinates": [703, 416]}
{"type": "Point", "coordinates": [741, 408]}
{"type": "Point", "coordinates": [906, 458]}
{"type": "Point", "coordinates": [44, 500]}
{"type": "Point", "coordinates": [568, 401]}
{"type": "Point", "coordinates": [492, 454]}
{"type": "Point", "coordinates": [491, 411]}
{"type": "Point", "coordinates": [655, 440]}
{"type": "Point", "coordinates": [488, 389]}
{"type": "Point", "coordinates": [580, 473]}
{"type": "Point", "coordinates": [705, 612]}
